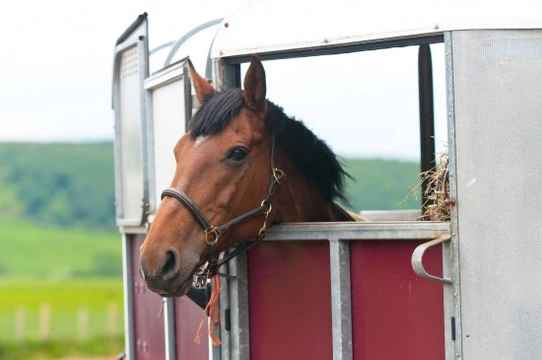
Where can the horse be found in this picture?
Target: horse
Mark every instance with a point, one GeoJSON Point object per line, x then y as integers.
{"type": "Point", "coordinates": [244, 164]}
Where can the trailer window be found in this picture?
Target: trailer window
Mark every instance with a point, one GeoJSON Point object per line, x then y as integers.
{"type": "Point", "coordinates": [365, 105]}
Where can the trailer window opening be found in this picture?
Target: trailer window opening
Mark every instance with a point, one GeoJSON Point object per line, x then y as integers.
{"type": "Point", "coordinates": [365, 106]}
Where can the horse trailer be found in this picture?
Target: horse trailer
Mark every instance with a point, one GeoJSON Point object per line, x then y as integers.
{"type": "Point", "coordinates": [467, 287]}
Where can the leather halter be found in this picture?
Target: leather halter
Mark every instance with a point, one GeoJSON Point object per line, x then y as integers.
{"type": "Point", "coordinates": [213, 233]}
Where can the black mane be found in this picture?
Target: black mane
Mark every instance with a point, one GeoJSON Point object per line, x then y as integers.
{"type": "Point", "coordinates": [311, 154]}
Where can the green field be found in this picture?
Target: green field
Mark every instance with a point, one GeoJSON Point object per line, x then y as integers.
{"type": "Point", "coordinates": [38, 251]}
{"type": "Point", "coordinates": [48, 319]}
{"type": "Point", "coordinates": [60, 291]}
{"type": "Point", "coordinates": [82, 317]}
{"type": "Point", "coordinates": [85, 308]}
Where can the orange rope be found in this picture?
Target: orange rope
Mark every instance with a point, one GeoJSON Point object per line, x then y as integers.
{"type": "Point", "coordinates": [214, 314]}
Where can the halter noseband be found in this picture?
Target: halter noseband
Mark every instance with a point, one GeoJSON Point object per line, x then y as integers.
{"type": "Point", "coordinates": [213, 233]}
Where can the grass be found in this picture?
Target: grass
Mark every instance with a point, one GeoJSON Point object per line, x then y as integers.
{"type": "Point", "coordinates": [55, 273]}
{"type": "Point", "coordinates": [100, 334]}
{"type": "Point", "coordinates": [37, 251]}
{"type": "Point", "coordinates": [57, 349]}
{"type": "Point", "coordinates": [65, 300]}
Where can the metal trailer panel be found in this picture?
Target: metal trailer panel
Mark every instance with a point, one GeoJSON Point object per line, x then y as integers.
{"type": "Point", "coordinates": [303, 27]}
{"type": "Point", "coordinates": [363, 230]}
{"type": "Point", "coordinates": [497, 124]}
{"type": "Point", "coordinates": [167, 117]}
{"type": "Point", "coordinates": [341, 299]}
{"type": "Point", "coordinates": [129, 101]}
{"type": "Point", "coordinates": [236, 333]}
{"type": "Point", "coordinates": [128, 290]}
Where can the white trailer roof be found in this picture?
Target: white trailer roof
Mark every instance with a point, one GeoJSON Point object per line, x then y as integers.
{"type": "Point", "coordinates": [275, 26]}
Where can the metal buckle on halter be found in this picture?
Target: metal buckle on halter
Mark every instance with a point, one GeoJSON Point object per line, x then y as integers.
{"type": "Point", "coordinates": [278, 174]}
{"type": "Point", "coordinates": [268, 207]}
{"type": "Point", "coordinates": [214, 232]}
{"type": "Point", "coordinates": [199, 281]}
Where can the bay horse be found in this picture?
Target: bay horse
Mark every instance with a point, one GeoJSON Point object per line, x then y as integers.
{"type": "Point", "coordinates": [243, 165]}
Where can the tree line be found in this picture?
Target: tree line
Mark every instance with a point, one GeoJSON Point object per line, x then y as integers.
{"type": "Point", "coordinates": [66, 184]}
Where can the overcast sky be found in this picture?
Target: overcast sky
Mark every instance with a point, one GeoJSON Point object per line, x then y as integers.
{"type": "Point", "coordinates": [57, 59]}
{"type": "Point", "coordinates": [57, 55]}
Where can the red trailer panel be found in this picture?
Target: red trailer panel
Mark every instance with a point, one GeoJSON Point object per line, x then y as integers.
{"type": "Point", "coordinates": [187, 320]}
{"type": "Point", "coordinates": [395, 314]}
{"type": "Point", "coordinates": [148, 315]}
{"type": "Point", "coordinates": [289, 301]}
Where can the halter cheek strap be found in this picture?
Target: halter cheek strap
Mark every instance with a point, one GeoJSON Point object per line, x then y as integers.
{"type": "Point", "coordinates": [213, 233]}
{"type": "Point", "coordinates": [189, 204]}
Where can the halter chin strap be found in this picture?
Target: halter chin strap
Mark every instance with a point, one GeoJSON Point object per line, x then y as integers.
{"type": "Point", "coordinates": [213, 233]}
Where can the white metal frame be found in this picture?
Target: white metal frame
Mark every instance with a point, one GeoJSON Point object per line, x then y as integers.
{"type": "Point", "coordinates": [298, 26]}
{"type": "Point", "coordinates": [131, 199]}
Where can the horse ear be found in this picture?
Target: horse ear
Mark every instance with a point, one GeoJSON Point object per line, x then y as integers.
{"type": "Point", "coordinates": [255, 86]}
{"type": "Point", "coordinates": [204, 90]}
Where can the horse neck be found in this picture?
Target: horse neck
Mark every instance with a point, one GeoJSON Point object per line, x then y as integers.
{"type": "Point", "coordinates": [300, 200]}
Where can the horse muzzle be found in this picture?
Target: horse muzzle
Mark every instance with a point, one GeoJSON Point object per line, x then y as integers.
{"type": "Point", "coordinates": [174, 287]}
{"type": "Point", "coordinates": [166, 274]}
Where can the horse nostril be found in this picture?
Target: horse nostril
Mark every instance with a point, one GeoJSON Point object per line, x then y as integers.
{"type": "Point", "coordinates": [170, 265]}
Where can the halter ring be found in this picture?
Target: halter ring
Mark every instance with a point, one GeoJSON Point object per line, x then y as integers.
{"type": "Point", "coordinates": [215, 234]}
{"type": "Point", "coordinates": [278, 174]}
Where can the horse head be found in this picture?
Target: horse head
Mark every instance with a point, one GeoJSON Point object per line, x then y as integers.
{"type": "Point", "coordinates": [225, 181]}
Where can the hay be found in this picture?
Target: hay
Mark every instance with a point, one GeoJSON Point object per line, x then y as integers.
{"type": "Point", "coordinates": [438, 204]}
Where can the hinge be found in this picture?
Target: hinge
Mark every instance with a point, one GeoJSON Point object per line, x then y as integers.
{"type": "Point", "coordinates": [227, 319]}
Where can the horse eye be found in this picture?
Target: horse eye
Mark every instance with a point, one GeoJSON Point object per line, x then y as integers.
{"type": "Point", "coordinates": [237, 154]}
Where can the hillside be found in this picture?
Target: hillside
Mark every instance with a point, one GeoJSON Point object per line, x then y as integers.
{"type": "Point", "coordinates": [72, 184]}
{"type": "Point", "coordinates": [36, 251]}
{"type": "Point", "coordinates": [63, 184]}
{"type": "Point", "coordinates": [377, 184]}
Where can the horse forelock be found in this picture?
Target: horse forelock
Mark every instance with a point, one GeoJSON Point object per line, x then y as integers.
{"type": "Point", "coordinates": [216, 113]}
{"type": "Point", "coordinates": [312, 155]}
